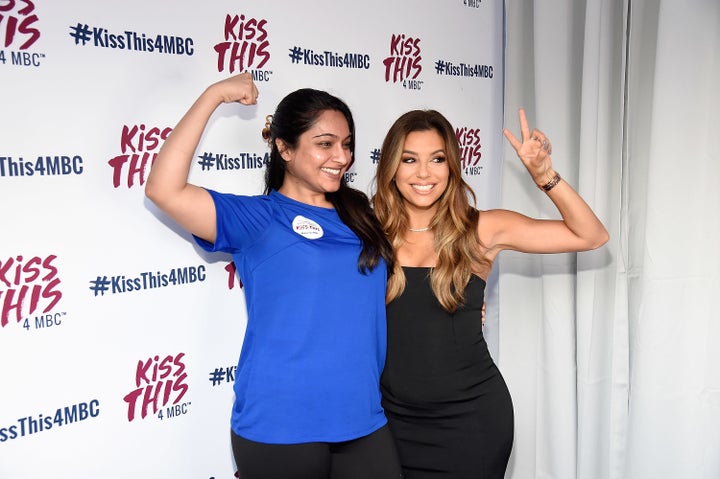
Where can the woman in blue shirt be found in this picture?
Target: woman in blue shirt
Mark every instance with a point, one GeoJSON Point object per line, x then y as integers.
{"type": "Point", "coordinates": [313, 260]}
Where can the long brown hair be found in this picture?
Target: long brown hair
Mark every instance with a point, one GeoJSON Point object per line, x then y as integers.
{"type": "Point", "coordinates": [455, 222]}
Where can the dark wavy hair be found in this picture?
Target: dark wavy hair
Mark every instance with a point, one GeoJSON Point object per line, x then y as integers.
{"type": "Point", "coordinates": [296, 114]}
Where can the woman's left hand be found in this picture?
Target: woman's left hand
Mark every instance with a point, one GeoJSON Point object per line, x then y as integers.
{"type": "Point", "coordinates": [534, 150]}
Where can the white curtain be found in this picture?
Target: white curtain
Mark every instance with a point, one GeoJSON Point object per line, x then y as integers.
{"type": "Point", "coordinates": [613, 356]}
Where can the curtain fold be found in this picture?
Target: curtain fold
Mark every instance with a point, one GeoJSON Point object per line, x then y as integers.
{"type": "Point", "coordinates": [602, 345]}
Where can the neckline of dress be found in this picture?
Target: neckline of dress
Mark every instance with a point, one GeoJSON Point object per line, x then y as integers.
{"type": "Point", "coordinates": [431, 267]}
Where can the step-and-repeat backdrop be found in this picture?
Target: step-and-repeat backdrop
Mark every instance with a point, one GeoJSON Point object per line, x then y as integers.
{"type": "Point", "coordinates": [119, 338]}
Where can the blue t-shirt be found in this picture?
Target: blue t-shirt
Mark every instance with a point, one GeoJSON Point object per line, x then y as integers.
{"type": "Point", "coordinates": [314, 346]}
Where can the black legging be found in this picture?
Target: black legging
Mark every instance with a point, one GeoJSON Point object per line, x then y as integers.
{"type": "Point", "coordinates": [373, 456]}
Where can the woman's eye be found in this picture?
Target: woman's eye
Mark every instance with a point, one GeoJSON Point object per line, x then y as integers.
{"type": "Point", "coordinates": [346, 146]}
{"type": "Point", "coordinates": [439, 159]}
{"type": "Point", "coordinates": [407, 159]}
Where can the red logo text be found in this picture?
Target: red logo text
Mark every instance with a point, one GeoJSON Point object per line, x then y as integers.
{"type": "Point", "coordinates": [245, 46]}
{"type": "Point", "coordinates": [139, 146]}
{"type": "Point", "coordinates": [232, 275]}
{"type": "Point", "coordinates": [469, 142]}
{"type": "Point", "coordinates": [26, 285]}
{"type": "Point", "coordinates": [404, 60]}
{"type": "Point", "coordinates": [18, 25]}
{"type": "Point", "coordinates": [158, 381]}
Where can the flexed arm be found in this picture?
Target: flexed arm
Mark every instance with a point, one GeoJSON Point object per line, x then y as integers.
{"type": "Point", "coordinates": [579, 229]}
{"type": "Point", "coordinates": [189, 205]}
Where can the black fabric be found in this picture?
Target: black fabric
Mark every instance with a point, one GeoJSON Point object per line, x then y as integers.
{"type": "Point", "coordinates": [373, 456]}
{"type": "Point", "coordinates": [448, 406]}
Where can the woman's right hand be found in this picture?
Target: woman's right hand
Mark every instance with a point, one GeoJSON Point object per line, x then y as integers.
{"type": "Point", "coordinates": [237, 89]}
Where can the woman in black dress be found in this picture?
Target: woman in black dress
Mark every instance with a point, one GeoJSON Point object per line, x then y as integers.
{"type": "Point", "coordinates": [446, 401]}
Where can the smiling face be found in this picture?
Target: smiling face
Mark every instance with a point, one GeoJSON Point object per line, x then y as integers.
{"type": "Point", "coordinates": [317, 164]}
{"type": "Point", "coordinates": [423, 173]}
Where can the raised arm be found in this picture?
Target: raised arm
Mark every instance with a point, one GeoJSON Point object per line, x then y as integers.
{"type": "Point", "coordinates": [579, 229]}
{"type": "Point", "coordinates": [189, 205]}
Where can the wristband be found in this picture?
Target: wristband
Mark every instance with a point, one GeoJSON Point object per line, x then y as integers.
{"type": "Point", "coordinates": [551, 184]}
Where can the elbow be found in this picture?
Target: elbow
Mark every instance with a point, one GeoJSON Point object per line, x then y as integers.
{"type": "Point", "coordinates": [149, 191]}
{"type": "Point", "coordinates": [155, 194]}
{"type": "Point", "coordinates": [152, 191]}
{"type": "Point", "coordinates": [599, 239]}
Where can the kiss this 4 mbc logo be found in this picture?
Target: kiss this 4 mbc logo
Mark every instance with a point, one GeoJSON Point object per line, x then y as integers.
{"type": "Point", "coordinates": [160, 386]}
{"type": "Point", "coordinates": [27, 286]}
{"type": "Point", "coordinates": [404, 61]}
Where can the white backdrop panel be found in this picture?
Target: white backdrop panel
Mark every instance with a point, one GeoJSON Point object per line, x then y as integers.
{"type": "Point", "coordinates": [119, 337]}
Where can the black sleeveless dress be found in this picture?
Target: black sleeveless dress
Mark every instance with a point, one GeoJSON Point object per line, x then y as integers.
{"type": "Point", "coordinates": [446, 401]}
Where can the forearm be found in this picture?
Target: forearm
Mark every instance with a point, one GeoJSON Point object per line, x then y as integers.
{"type": "Point", "coordinates": [576, 213]}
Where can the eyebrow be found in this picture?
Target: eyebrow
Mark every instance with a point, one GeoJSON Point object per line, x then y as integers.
{"type": "Point", "coordinates": [333, 135]}
{"type": "Point", "coordinates": [441, 150]}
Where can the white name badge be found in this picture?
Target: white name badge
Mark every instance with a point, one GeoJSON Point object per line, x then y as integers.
{"type": "Point", "coordinates": [307, 228]}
